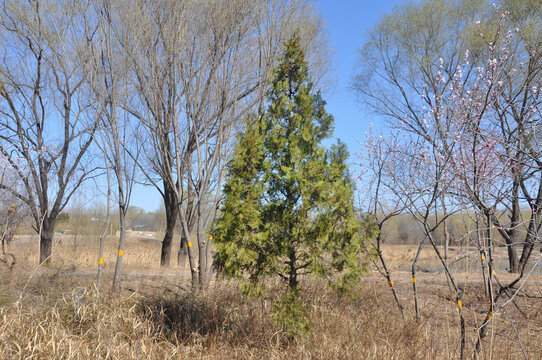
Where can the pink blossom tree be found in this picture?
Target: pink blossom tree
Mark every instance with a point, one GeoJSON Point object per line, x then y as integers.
{"type": "Point", "coordinates": [466, 137]}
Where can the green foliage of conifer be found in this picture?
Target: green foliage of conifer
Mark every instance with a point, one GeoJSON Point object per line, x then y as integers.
{"type": "Point", "coordinates": [288, 208]}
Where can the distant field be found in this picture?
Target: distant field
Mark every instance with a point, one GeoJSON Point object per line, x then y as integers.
{"type": "Point", "coordinates": [142, 252]}
{"type": "Point", "coordinates": [57, 312]}
{"type": "Point", "coordinates": [466, 259]}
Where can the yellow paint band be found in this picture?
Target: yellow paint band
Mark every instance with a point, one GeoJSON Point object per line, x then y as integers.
{"type": "Point", "coordinates": [100, 261]}
{"type": "Point", "coordinates": [390, 283]}
{"type": "Point", "coordinates": [121, 252]}
{"type": "Point", "coordinates": [414, 279]}
{"type": "Point", "coordinates": [494, 273]}
{"type": "Point", "coordinates": [459, 305]}
{"type": "Point", "coordinates": [489, 316]}
{"type": "Point", "coordinates": [482, 258]}
{"type": "Point", "coordinates": [189, 244]}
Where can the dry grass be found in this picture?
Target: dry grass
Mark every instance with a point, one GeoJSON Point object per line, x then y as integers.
{"type": "Point", "coordinates": [142, 251]}
{"type": "Point", "coordinates": [59, 314]}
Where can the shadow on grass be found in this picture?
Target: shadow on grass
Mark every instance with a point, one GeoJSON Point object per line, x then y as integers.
{"type": "Point", "coordinates": [221, 315]}
{"type": "Point", "coordinates": [181, 317]}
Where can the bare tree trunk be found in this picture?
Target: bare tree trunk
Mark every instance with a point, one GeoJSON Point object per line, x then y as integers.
{"type": "Point", "coordinates": [122, 241]}
{"type": "Point", "coordinates": [210, 261]}
{"type": "Point", "coordinates": [445, 230]}
{"type": "Point", "coordinates": [528, 246]}
{"type": "Point", "coordinates": [191, 259]}
{"type": "Point", "coordinates": [183, 245]}
{"type": "Point", "coordinates": [481, 250]}
{"type": "Point", "coordinates": [170, 203]}
{"type": "Point", "coordinates": [202, 267]}
{"type": "Point", "coordinates": [46, 241]}
{"type": "Point", "coordinates": [202, 251]}
{"type": "Point", "coordinates": [101, 259]}
{"type": "Point", "coordinates": [513, 237]}
{"type": "Point", "coordinates": [483, 328]}
{"type": "Point", "coordinates": [204, 256]}
{"type": "Point", "coordinates": [183, 252]}
{"type": "Point", "coordinates": [386, 273]}
{"type": "Point", "coordinates": [104, 234]}
{"type": "Point", "coordinates": [414, 284]}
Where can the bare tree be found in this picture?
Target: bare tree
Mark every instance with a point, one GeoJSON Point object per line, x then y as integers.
{"type": "Point", "coordinates": [103, 235]}
{"type": "Point", "coordinates": [118, 135]}
{"type": "Point", "coordinates": [197, 69]}
{"type": "Point", "coordinates": [376, 158]}
{"type": "Point", "coordinates": [45, 123]}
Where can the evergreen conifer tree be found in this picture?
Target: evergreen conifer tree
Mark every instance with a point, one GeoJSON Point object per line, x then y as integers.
{"type": "Point", "coordinates": [288, 208]}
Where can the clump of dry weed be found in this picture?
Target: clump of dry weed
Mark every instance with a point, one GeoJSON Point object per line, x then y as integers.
{"type": "Point", "coordinates": [83, 324]}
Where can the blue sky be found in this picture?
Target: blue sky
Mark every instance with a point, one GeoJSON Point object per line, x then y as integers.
{"type": "Point", "coordinates": [347, 22]}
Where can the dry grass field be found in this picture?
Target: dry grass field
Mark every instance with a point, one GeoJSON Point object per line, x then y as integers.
{"type": "Point", "coordinates": [57, 312]}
